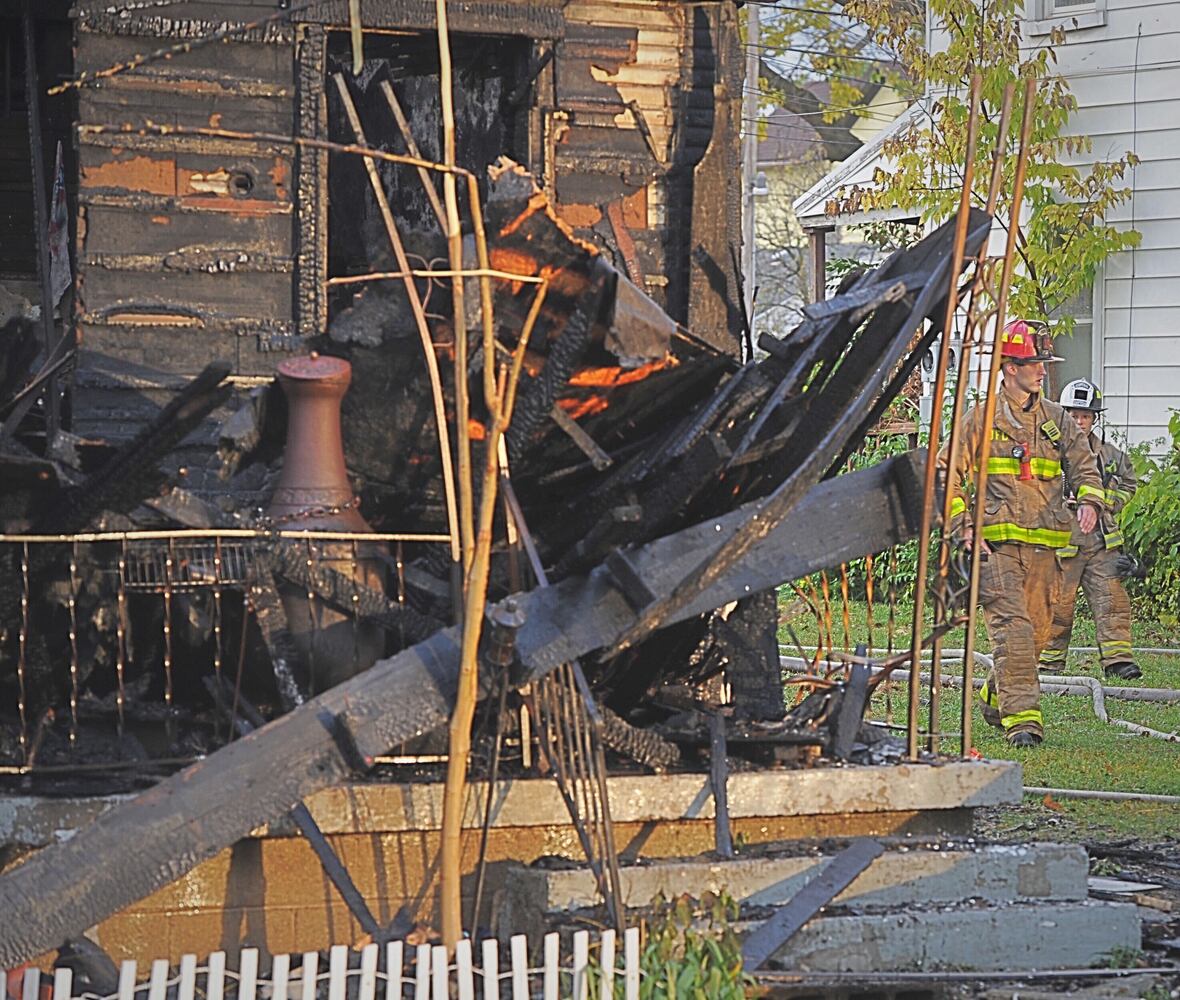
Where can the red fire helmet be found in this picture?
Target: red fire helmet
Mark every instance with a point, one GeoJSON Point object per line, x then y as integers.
{"type": "Point", "coordinates": [1025, 342]}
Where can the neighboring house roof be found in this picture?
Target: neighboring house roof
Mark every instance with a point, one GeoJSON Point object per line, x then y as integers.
{"type": "Point", "coordinates": [790, 138]}
{"type": "Point", "coordinates": [858, 170]}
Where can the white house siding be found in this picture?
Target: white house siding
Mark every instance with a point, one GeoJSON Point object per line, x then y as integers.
{"type": "Point", "coordinates": [1125, 75]}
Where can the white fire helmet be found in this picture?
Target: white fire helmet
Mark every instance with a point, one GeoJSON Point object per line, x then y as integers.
{"type": "Point", "coordinates": [1082, 394]}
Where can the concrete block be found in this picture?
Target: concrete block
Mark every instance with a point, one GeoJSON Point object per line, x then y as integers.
{"type": "Point", "coordinates": [900, 877]}
{"type": "Point", "coordinates": [1010, 937]}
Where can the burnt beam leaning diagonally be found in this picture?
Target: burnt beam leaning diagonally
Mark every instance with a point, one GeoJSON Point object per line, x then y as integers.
{"type": "Point", "coordinates": [166, 831]}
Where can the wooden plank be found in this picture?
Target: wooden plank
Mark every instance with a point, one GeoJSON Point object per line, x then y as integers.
{"type": "Point", "coordinates": [126, 981]}
{"type": "Point", "coordinates": [280, 976]}
{"type": "Point", "coordinates": [394, 960]}
{"type": "Point", "coordinates": [463, 970]}
{"type": "Point", "coordinates": [422, 973]}
{"type": "Point", "coordinates": [631, 963]}
{"type": "Point", "coordinates": [158, 983]}
{"type": "Point", "coordinates": [187, 988]}
{"type": "Point", "coordinates": [439, 973]}
{"type": "Point", "coordinates": [255, 779]}
{"type": "Point", "coordinates": [551, 979]}
{"type": "Point", "coordinates": [367, 990]}
{"type": "Point", "coordinates": [63, 983]}
{"type": "Point", "coordinates": [338, 972]}
{"type": "Point", "coordinates": [607, 962]}
{"type": "Point", "coordinates": [215, 979]}
{"type": "Point", "coordinates": [491, 968]}
{"type": "Point", "coordinates": [581, 983]}
{"type": "Point", "coordinates": [247, 974]}
{"type": "Point", "coordinates": [519, 946]}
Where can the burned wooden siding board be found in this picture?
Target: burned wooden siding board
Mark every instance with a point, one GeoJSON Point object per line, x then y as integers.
{"type": "Point", "coordinates": [311, 302]}
{"type": "Point", "coordinates": [539, 19]}
{"type": "Point", "coordinates": [645, 94]}
{"type": "Point", "coordinates": [186, 244]}
{"type": "Point", "coordinates": [616, 75]}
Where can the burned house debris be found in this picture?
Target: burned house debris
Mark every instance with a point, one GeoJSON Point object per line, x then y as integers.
{"type": "Point", "coordinates": [244, 535]}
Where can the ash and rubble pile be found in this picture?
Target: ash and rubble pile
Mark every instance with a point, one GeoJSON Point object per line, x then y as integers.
{"type": "Point", "coordinates": [627, 429]}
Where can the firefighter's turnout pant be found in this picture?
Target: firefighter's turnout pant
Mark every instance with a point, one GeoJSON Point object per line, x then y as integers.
{"type": "Point", "coordinates": [1017, 586]}
{"type": "Point", "coordinates": [1093, 568]}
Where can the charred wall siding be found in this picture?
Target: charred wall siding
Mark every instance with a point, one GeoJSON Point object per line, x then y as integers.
{"type": "Point", "coordinates": [191, 248]}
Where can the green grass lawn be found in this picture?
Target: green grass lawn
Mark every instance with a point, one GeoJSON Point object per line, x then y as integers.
{"type": "Point", "coordinates": [1079, 751]}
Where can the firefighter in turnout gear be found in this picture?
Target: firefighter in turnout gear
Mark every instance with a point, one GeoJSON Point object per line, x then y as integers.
{"type": "Point", "coordinates": [1025, 522]}
{"type": "Point", "coordinates": [1091, 560]}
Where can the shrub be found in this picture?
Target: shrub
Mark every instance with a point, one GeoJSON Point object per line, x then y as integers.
{"type": "Point", "coordinates": [691, 951]}
{"type": "Point", "coordinates": [1151, 526]}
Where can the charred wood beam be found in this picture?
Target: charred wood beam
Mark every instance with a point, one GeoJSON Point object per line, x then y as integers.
{"type": "Point", "coordinates": [132, 473]}
{"type": "Point", "coordinates": [164, 832]}
{"type": "Point", "coordinates": [839, 407]}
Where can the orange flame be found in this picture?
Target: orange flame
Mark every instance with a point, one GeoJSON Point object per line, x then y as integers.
{"type": "Point", "coordinates": [611, 377]}
{"type": "Point", "coordinates": [578, 408]}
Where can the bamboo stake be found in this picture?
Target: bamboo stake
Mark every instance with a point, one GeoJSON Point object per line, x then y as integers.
{"type": "Point", "coordinates": [500, 407]}
{"type": "Point", "coordinates": [957, 429]}
{"type": "Point", "coordinates": [989, 409]}
{"type": "Point", "coordinates": [936, 429]}
{"type": "Point", "coordinates": [440, 414]}
{"type": "Point", "coordinates": [459, 318]}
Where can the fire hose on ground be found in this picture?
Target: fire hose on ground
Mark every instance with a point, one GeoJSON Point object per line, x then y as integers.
{"type": "Point", "coordinates": [1058, 684]}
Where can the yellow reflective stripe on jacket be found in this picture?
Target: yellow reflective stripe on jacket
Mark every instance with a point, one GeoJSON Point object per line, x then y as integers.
{"type": "Point", "coordinates": [1029, 536]}
{"type": "Point", "coordinates": [958, 506]}
{"type": "Point", "coordinates": [1113, 539]}
{"type": "Point", "coordinates": [988, 696]}
{"type": "Point", "coordinates": [1091, 491]}
{"type": "Point", "coordinates": [1046, 468]}
{"type": "Point", "coordinates": [1032, 715]}
{"type": "Point", "coordinates": [1067, 551]}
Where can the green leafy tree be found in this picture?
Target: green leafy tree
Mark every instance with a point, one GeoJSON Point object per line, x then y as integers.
{"type": "Point", "coordinates": [1064, 236]}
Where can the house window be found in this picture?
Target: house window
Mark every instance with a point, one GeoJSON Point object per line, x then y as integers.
{"type": "Point", "coordinates": [1045, 15]}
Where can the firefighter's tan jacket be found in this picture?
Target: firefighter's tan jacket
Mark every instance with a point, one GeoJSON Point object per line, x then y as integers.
{"type": "Point", "coordinates": [1028, 511]}
{"type": "Point", "coordinates": [1119, 484]}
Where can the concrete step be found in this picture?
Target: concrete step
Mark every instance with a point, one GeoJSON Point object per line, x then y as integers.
{"type": "Point", "coordinates": [901, 877]}
{"type": "Point", "coordinates": [1014, 937]}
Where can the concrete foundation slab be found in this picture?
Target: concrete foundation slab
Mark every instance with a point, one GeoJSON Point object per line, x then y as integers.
{"type": "Point", "coordinates": [377, 807]}
{"type": "Point", "coordinates": [1012, 937]}
{"type": "Point", "coordinates": [900, 877]}
{"type": "Point", "coordinates": [268, 891]}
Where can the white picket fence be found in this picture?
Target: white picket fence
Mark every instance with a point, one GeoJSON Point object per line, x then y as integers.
{"type": "Point", "coordinates": [418, 971]}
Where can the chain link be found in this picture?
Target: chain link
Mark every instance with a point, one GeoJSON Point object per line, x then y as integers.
{"type": "Point", "coordinates": [268, 523]}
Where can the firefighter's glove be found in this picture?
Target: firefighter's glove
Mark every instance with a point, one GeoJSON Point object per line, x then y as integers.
{"type": "Point", "coordinates": [1130, 567]}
